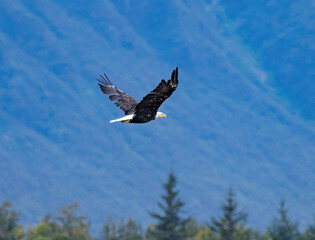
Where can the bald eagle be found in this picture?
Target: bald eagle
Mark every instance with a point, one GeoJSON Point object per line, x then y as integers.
{"type": "Point", "coordinates": [144, 111]}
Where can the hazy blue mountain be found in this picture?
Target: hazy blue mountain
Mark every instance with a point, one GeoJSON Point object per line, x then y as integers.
{"type": "Point", "coordinates": [243, 114]}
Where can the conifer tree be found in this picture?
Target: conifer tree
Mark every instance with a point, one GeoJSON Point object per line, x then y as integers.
{"type": "Point", "coordinates": [282, 228]}
{"type": "Point", "coordinates": [232, 222]}
{"type": "Point", "coordinates": [170, 225]}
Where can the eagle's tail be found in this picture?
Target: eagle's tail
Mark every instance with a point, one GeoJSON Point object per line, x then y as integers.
{"type": "Point", "coordinates": [125, 118]}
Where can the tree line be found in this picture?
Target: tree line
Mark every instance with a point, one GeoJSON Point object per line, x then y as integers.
{"type": "Point", "coordinates": [169, 224]}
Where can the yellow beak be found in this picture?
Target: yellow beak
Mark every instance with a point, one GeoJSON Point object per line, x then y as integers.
{"type": "Point", "coordinates": [164, 115]}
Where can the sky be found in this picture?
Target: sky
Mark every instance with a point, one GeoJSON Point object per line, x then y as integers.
{"type": "Point", "coordinates": [243, 114]}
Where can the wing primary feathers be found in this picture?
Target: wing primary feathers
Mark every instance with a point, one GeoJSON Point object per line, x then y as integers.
{"type": "Point", "coordinates": [152, 101]}
{"type": "Point", "coordinates": [107, 78]}
{"type": "Point", "coordinates": [103, 80]}
{"type": "Point", "coordinates": [124, 101]}
{"type": "Point", "coordinates": [176, 75]}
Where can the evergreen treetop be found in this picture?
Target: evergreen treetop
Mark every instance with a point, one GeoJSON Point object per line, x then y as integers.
{"type": "Point", "coordinates": [170, 225]}
{"type": "Point", "coordinates": [282, 228]}
{"type": "Point", "coordinates": [232, 221]}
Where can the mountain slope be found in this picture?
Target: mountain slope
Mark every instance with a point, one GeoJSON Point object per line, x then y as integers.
{"type": "Point", "coordinates": [227, 123]}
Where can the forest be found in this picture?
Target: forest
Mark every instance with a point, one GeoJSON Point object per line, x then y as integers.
{"type": "Point", "coordinates": [168, 224]}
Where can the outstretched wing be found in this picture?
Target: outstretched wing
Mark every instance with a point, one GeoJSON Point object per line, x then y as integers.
{"type": "Point", "coordinates": [126, 102]}
{"type": "Point", "coordinates": [151, 102]}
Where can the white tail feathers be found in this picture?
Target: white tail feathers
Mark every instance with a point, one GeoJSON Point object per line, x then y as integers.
{"type": "Point", "coordinates": [128, 117]}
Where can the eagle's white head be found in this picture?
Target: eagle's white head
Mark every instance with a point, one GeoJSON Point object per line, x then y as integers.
{"type": "Point", "coordinates": [160, 115]}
